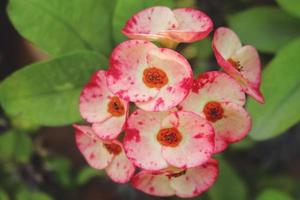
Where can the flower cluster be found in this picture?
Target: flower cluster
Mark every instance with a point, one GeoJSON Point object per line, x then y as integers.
{"type": "Point", "coordinates": [173, 124]}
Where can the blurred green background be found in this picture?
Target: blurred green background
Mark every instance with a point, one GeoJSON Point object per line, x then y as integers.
{"type": "Point", "coordinates": [48, 50]}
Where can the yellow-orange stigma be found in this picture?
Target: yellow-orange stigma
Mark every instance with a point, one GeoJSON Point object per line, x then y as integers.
{"type": "Point", "coordinates": [115, 107]}
{"type": "Point", "coordinates": [154, 77]}
{"type": "Point", "coordinates": [236, 64]}
{"type": "Point", "coordinates": [169, 137]}
{"type": "Point", "coordinates": [113, 148]}
{"type": "Point", "coordinates": [213, 111]}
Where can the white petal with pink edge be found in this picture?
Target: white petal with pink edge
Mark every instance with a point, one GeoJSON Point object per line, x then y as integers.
{"type": "Point", "coordinates": [180, 77]}
{"type": "Point", "coordinates": [153, 184]}
{"type": "Point", "coordinates": [94, 99]}
{"type": "Point", "coordinates": [213, 86]}
{"type": "Point", "coordinates": [233, 127]}
{"type": "Point", "coordinates": [125, 74]}
{"type": "Point", "coordinates": [193, 25]}
{"type": "Point", "coordinates": [140, 142]}
{"type": "Point", "coordinates": [92, 148]}
{"type": "Point", "coordinates": [121, 169]}
{"type": "Point", "coordinates": [197, 140]}
{"type": "Point", "coordinates": [196, 180]}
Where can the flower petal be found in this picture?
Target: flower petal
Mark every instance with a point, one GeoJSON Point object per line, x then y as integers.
{"type": "Point", "coordinates": [92, 148]}
{"type": "Point", "coordinates": [121, 169]}
{"type": "Point", "coordinates": [193, 25]}
{"type": "Point", "coordinates": [153, 184]}
{"type": "Point", "coordinates": [180, 77]}
{"type": "Point", "coordinates": [196, 180]}
{"type": "Point", "coordinates": [233, 127]}
{"type": "Point", "coordinates": [125, 75]}
{"type": "Point", "coordinates": [94, 99]}
{"type": "Point", "coordinates": [140, 142]}
{"type": "Point", "coordinates": [213, 86]}
{"type": "Point", "coordinates": [149, 22]}
{"type": "Point", "coordinates": [197, 140]}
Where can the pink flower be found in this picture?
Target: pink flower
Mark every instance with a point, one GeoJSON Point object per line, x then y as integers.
{"type": "Point", "coordinates": [220, 99]}
{"type": "Point", "coordinates": [101, 154]}
{"type": "Point", "coordinates": [184, 183]}
{"type": "Point", "coordinates": [104, 110]}
{"type": "Point", "coordinates": [156, 79]}
{"type": "Point", "coordinates": [241, 62]}
{"type": "Point", "coordinates": [155, 140]}
{"type": "Point", "coordinates": [167, 26]}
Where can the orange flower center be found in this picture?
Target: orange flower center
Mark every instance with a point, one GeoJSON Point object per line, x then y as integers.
{"type": "Point", "coordinates": [213, 111]}
{"type": "Point", "coordinates": [154, 77]}
{"type": "Point", "coordinates": [113, 148]}
{"type": "Point", "coordinates": [116, 107]}
{"type": "Point", "coordinates": [236, 64]}
{"type": "Point", "coordinates": [169, 137]}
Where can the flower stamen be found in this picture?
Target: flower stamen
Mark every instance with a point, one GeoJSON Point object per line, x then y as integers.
{"type": "Point", "coordinates": [213, 111]}
{"type": "Point", "coordinates": [170, 137]}
{"type": "Point", "coordinates": [154, 77]}
{"type": "Point", "coordinates": [113, 148]}
{"type": "Point", "coordinates": [116, 107]}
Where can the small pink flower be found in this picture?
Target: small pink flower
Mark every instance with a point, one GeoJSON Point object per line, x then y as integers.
{"type": "Point", "coordinates": [156, 79]}
{"type": "Point", "coordinates": [184, 183]}
{"type": "Point", "coordinates": [101, 154]}
{"type": "Point", "coordinates": [167, 26]}
{"type": "Point", "coordinates": [104, 110]}
{"type": "Point", "coordinates": [155, 140]}
{"type": "Point", "coordinates": [241, 62]}
{"type": "Point", "coordinates": [220, 99]}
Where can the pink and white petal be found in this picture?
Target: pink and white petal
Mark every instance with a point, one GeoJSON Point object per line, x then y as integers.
{"type": "Point", "coordinates": [196, 180]}
{"type": "Point", "coordinates": [193, 25]}
{"type": "Point", "coordinates": [220, 144]}
{"type": "Point", "coordinates": [125, 74]}
{"type": "Point", "coordinates": [153, 184]}
{"type": "Point", "coordinates": [140, 142]}
{"type": "Point", "coordinates": [225, 44]}
{"type": "Point", "coordinates": [235, 125]}
{"type": "Point", "coordinates": [121, 169]}
{"type": "Point", "coordinates": [94, 99]}
{"type": "Point", "coordinates": [92, 148]}
{"type": "Point", "coordinates": [213, 86]}
{"type": "Point", "coordinates": [180, 78]}
{"type": "Point", "coordinates": [147, 23]}
{"type": "Point", "coordinates": [249, 60]}
{"type": "Point", "coordinates": [197, 140]}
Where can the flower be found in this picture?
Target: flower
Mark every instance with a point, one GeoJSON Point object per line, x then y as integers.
{"type": "Point", "coordinates": [156, 79]}
{"type": "Point", "coordinates": [101, 154]}
{"type": "Point", "coordinates": [241, 62]}
{"type": "Point", "coordinates": [104, 110]}
{"type": "Point", "coordinates": [155, 140]}
{"type": "Point", "coordinates": [181, 182]}
{"type": "Point", "coordinates": [169, 26]}
{"type": "Point", "coordinates": [219, 99]}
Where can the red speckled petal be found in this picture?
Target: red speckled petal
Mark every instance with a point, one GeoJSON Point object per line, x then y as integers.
{"type": "Point", "coordinates": [193, 25]}
{"type": "Point", "coordinates": [153, 184]}
{"type": "Point", "coordinates": [149, 22]}
{"type": "Point", "coordinates": [112, 127]}
{"type": "Point", "coordinates": [94, 99]}
{"type": "Point", "coordinates": [233, 127]}
{"type": "Point", "coordinates": [125, 75]}
{"type": "Point", "coordinates": [140, 142]}
{"type": "Point", "coordinates": [197, 140]}
{"type": "Point", "coordinates": [213, 86]}
{"type": "Point", "coordinates": [92, 148]}
{"type": "Point", "coordinates": [180, 78]}
{"type": "Point", "coordinates": [196, 180]}
{"type": "Point", "coordinates": [121, 169]}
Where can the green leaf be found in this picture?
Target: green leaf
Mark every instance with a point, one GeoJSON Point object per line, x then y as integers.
{"type": "Point", "coordinates": [281, 88]}
{"type": "Point", "coordinates": [229, 186]}
{"type": "Point", "coordinates": [273, 195]}
{"type": "Point", "coordinates": [47, 93]}
{"type": "Point", "coordinates": [291, 6]}
{"type": "Point", "coordinates": [86, 174]}
{"type": "Point", "coordinates": [126, 8]}
{"type": "Point", "coordinates": [3, 195]}
{"type": "Point", "coordinates": [32, 195]}
{"type": "Point", "coordinates": [266, 28]}
{"type": "Point", "coordinates": [60, 27]}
